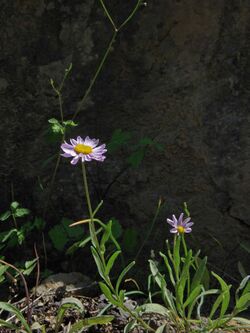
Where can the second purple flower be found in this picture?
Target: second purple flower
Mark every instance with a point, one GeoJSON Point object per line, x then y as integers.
{"type": "Point", "coordinates": [181, 225]}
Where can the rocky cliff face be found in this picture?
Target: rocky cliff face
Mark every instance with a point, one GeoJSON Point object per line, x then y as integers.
{"type": "Point", "coordinates": [179, 73]}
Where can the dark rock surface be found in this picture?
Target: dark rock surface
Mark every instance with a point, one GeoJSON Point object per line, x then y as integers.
{"type": "Point", "coordinates": [179, 72]}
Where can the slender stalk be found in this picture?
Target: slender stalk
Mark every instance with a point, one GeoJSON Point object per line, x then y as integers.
{"type": "Point", "coordinates": [99, 68]}
{"type": "Point", "coordinates": [108, 15]}
{"type": "Point", "coordinates": [131, 15]}
{"type": "Point", "coordinates": [150, 229]}
{"type": "Point", "coordinates": [91, 223]}
{"type": "Point", "coordinates": [184, 244]}
{"type": "Point", "coordinates": [60, 105]}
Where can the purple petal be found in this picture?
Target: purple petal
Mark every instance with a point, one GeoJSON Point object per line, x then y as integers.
{"type": "Point", "coordinates": [73, 142]}
{"type": "Point", "coordinates": [91, 142]}
{"type": "Point", "coordinates": [66, 155]}
{"type": "Point", "coordinates": [173, 231]}
{"type": "Point", "coordinates": [180, 219]}
{"type": "Point", "coordinates": [66, 145]}
{"type": "Point", "coordinates": [75, 160]}
{"type": "Point", "coordinates": [69, 151]}
{"type": "Point", "coordinates": [175, 219]}
{"type": "Point", "coordinates": [100, 149]}
{"type": "Point", "coordinates": [100, 158]}
{"type": "Point", "coordinates": [87, 158]}
{"type": "Point", "coordinates": [187, 220]}
{"type": "Point", "coordinates": [188, 230]}
{"type": "Point", "coordinates": [172, 223]}
{"type": "Point", "coordinates": [80, 140]}
{"type": "Point", "coordinates": [187, 225]}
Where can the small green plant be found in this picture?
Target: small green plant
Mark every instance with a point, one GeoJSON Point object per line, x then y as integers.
{"type": "Point", "coordinates": [184, 288]}
{"type": "Point", "coordinates": [16, 235]}
{"type": "Point", "coordinates": [86, 150]}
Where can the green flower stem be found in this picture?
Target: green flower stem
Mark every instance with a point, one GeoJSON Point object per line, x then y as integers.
{"type": "Point", "coordinates": [184, 244]}
{"type": "Point", "coordinates": [150, 229]}
{"type": "Point", "coordinates": [92, 230]}
{"type": "Point", "coordinates": [186, 252]}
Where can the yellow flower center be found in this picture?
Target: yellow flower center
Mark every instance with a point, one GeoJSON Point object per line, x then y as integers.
{"type": "Point", "coordinates": [82, 149]}
{"type": "Point", "coordinates": [181, 229]}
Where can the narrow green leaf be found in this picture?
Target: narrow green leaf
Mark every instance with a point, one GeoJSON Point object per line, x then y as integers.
{"type": "Point", "coordinates": [121, 276]}
{"type": "Point", "coordinates": [195, 292]}
{"type": "Point", "coordinates": [170, 272]}
{"type": "Point", "coordinates": [243, 303]}
{"type": "Point", "coordinates": [198, 276]}
{"type": "Point", "coordinates": [225, 294]}
{"type": "Point", "coordinates": [181, 285]}
{"type": "Point", "coordinates": [245, 283]}
{"type": "Point", "coordinates": [4, 323]}
{"type": "Point", "coordinates": [154, 308]}
{"type": "Point", "coordinates": [241, 269]}
{"type": "Point", "coordinates": [201, 296]}
{"type": "Point", "coordinates": [29, 266]}
{"type": "Point", "coordinates": [106, 291]}
{"type": "Point", "coordinates": [80, 244]}
{"type": "Point", "coordinates": [121, 295]}
{"type": "Point", "coordinates": [67, 303]}
{"type": "Point", "coordinates": [99, 263]}
{"type": "Point", "coordinates": [12, 309]}
{"type": "Point", "coordinates": [168, 297]}
{"type": "Point", "coordinates": [5, 215]}
{"type": "Point", "coordinates": [111, 262]}
{"type": "Point", "coordinates": [70, 123]}
{"type": "Point", "coordinates": [131, 325]}
{"type": "Point", "coordinates": [9, 235]}
{"type": "Point", "coordinates": [155, 272]}
{"type": "Point", "coordinates": [106, 235]}
{"type": "Point", "coordinates": [88, 322]}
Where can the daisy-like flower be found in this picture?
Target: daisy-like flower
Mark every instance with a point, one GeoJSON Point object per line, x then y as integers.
{"type": "Point", "coordinates": [84, 150]}
{"type": "Point", "coordinates": [180, 226]}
